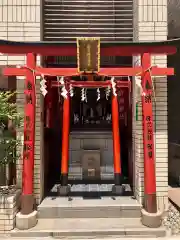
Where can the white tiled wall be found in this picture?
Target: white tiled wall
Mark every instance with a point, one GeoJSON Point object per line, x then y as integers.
{"type": "Point", "coordinates": [20, 21]}
{"type": "Point", "coordinates": [150, 24]}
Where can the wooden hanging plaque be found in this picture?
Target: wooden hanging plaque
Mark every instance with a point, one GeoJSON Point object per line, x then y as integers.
{"type": "Point", "coordinates": [88, 54]}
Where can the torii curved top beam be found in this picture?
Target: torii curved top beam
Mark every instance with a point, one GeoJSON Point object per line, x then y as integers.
{"type": "Point", "coordinates": [114, 48]}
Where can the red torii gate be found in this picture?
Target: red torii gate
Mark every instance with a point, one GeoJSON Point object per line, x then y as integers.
{"type": "Point", "coordinates": [30, 71]}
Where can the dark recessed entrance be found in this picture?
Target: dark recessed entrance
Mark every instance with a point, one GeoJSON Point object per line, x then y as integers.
{"type": "Point", "coordinates": [91, 146]}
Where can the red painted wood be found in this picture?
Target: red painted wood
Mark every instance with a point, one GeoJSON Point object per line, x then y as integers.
{"type": "Point", "coordinates": [39, 50]}
{"type": "Point", "coordinates": [103, 71]}
{"type": "Point", "coordinates": [41, 71]}
{"type": "Point", "coordinates": [65, 135]}
{"type": "Point", "coordinates": [116, 135]}
{"type": "Point", "coordinates": [134, 71]}
{"type": "Point", "coordinates": [136, 50]}
{"type": "Point", "coordinates": [94, 84]}
{"type": "Point", "coordinates": [72, 50]}
{"type": "Point", "coordinates": [150, 184]}
{"type": "Point", "coordinates": [29, 128]}
{"type": "Point", "coordinates": [148, 134]}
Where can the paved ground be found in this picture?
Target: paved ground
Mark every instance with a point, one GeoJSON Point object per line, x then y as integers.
{"type": "Point", "coordinates": [174, 195]}
{"type": "Point", "coordinates": [79, 202]}
{"type": "Point", "coordinates": [49, 238]}
{"type": "Point", "coordinates": [172, 238]}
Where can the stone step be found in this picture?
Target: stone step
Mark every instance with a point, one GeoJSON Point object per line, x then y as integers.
{"type": "Point", "coordinates": [100, 189]}
{"type": "Point", "coordinates": [105, 207]}
{"type": "Point", "coordinates": [90, 228]}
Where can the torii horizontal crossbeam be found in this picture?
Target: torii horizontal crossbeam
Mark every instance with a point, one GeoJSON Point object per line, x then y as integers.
{"type": "Point", "coordinates": [95, 84]}
{"type": "Point", "coordinates": [71, 50]}
{"type": "Point", "coordinates": [39, 71]}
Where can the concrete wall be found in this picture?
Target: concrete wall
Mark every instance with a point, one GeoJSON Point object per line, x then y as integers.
{"type": "Point", "coordinates": [89, 140]}
{"type": "Point", "coordinates": [150, 24]}
{"type": "Point", "coordinates": [174, 118]}
{"type": "Point", "coordinates": [173, 18]}
{"type": "Point", "coordinates": [174, 96]}
{"type": "Point", "coordinates": [20, 21]}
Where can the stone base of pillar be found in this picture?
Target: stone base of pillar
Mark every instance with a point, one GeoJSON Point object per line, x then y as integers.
{"type": "Point", "coordinates": [151, 220]}
{"type": "Point", "coordinates": [28, 221]}
{"type": "Point", "coordinates": [63, 190]}
{"type": "Point", "coordinates": [118, 190]}
{"type": "Point", "coordinates": [27, 204]}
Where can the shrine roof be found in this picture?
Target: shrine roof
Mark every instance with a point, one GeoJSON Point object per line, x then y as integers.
{"type": "Point", "coordinates": [172, 42]}
{"type": "Point", "coordinates": [40, 47]}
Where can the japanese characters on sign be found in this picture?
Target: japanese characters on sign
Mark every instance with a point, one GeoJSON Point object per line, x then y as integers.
{"type": "Point", "coordinates": [148, 121]}
{"type": "Point", "coordinates": [123, 105]}
{"type": "Point", "coordinates": [88, 54]}
{"type": "Point", "coordinates": [28, 122]}
{"type": "Point", "coordinates": [149, 140]}
{"type": "Point", "coordinates": [148, 98]}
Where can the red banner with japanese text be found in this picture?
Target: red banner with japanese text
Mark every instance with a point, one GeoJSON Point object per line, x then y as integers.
{"type": "Point", "coordinates": [123, 99]}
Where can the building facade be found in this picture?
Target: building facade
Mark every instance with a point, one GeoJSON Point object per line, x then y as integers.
{"type": "Point", "coordinates": [173, 86]}
{"type": "Point", "coordinates": [27, 21]}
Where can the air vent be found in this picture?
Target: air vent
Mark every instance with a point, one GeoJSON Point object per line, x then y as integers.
{"type": "Point", "coordinates": [65, 20]}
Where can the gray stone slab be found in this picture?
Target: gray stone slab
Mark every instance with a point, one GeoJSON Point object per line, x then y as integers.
{"type": "Point", "coordinates": [105, 207]}
{"type": "Point", "coordinates": [78, 228]}
{"type": "Point", "coordinates": [91, 140]}
{"type": "Point", "coordinates": [161, 232]}
{"type": "Point", "coordinates": [92, 187]}
{"type": "Point", "coordinates": [79, 202]}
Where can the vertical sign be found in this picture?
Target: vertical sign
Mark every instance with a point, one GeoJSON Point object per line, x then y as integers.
{"type": "Point", "coordinates": [88, 54]}
{"type": "Point", "coordinates": [29, 126]}
{"type": "Point", "coordinates": [123, 105]}
{"type": "Point", "coordinates": [48, 104]}
{"type": "Point", "coordinates": [27, 201]}
{"type": "Point", "coordinates": [148, 137]}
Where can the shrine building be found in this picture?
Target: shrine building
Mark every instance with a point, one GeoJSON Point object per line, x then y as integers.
{"type": "Point", "coordinates": [91, 81]}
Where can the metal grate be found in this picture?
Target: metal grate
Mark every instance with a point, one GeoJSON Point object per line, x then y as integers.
{"type": "Point", "coordinates": [108, 19]}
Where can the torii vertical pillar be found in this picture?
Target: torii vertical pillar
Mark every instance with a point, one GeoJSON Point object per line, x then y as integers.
{"type": "Point", "coordinates": [150, 201]}
{"type": "Point", "coordinates": [117, 188]}
{"type": "Point", "coordinates": [27, 203]}
{"type": "Point", "coordinates": [64, 188]}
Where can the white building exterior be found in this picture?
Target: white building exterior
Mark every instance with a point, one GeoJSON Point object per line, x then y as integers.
{"type": "Point", "coordinates": [20, 20]}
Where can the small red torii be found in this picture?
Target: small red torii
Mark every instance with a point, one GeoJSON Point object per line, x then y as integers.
{"type": "Point", "coordinates": [30, 71]}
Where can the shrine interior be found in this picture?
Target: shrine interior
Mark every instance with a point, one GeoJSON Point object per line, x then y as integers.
{"type": "Point", "coordinates": [90, 129]}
